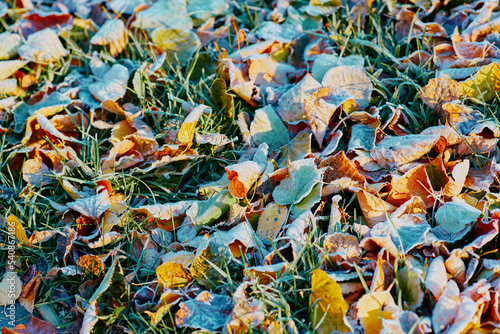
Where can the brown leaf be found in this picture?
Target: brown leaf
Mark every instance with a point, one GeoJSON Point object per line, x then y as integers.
{"type": "Point", "coordinates": [28, 295]}
{"type": "Point", "coordinates": [440, 91]}
{"type": "Point", "coordinates": [91, 265]}
{"type": "Point", "coordinates": [35, 325]}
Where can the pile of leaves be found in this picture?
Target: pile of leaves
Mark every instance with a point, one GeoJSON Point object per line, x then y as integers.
{"type": "Point", "coordinates": [247, 166]}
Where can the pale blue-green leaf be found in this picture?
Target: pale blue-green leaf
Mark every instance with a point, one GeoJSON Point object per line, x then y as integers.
{"type": "Point", "coordinates": [206, 212]}
{"type": "Point", "coordinates": [268, 128]}
{"type": "Point", "coordinates": [207, 311]}
{"type": "Point", "coordinates": [204, 10]}
{"type": "Point", "coordinates": [303, 176]}
{"type": "Point", "coordinates": [454, 216]}
{"type": "Point", "coordinates": [282, 33]}
{"type": "Point", "coordinates": [324, 62]}
{"type": "Point", "coordinates": [164, 13]}
{"type": "Point", "coordinates": [177, 44]}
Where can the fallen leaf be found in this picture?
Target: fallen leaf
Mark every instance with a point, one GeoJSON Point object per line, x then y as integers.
{"type": "Point", "coordinates": [270, 222]}
{"type": "Point", "coordinates": [485, 84]}
{"type": "Point", "coordinates": [172, 275]}
{"type": "Point", "coordinates": [178, 44]}
{"type": "Point", "coordinates": [92, 206]}
{"type": "Point", "coordinates": [352, 79]}
{"type": "Point", "coordinates": [112, 33]}
{"type": "Point", "coordinates": [268, 128]}
{"type": "Point", "coordinates": [440, 91]}
{"type": "Point", "coordinates": [112, 85]}
{"type": "Point", "coordinates": [454, 216]}
{"type": "Point", "coordinates": [207, 311]}
{"type": "Point", "coordinates": [331, 308]}
{"type": "Point", "coordinates": [303, 175]}
{"type": "Point", "coordinates": [10, 288]}
{"type": "Point", "coordinates": [395, 151]}
{"type": "Point", "coordinates": [35, 325]}
{"type": "Point", "coordinates": [43, 46]}
{"type": "Point", "coordinates": [373, 307]}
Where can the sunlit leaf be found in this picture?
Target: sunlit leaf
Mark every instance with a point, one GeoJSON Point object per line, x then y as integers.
{"type": "Point", "coordinates": [330, 306]}
{"type": "Point", "coordinates": [177, 44]}
{"type": "Point", "coordinates": [303, 175]}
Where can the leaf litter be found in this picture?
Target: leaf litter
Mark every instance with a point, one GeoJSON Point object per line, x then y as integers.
{"type": "Point", "coordinates": [233, 166]}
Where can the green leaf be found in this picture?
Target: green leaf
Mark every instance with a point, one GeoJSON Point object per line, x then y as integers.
{"type": "Point", "coordinates": [307, 203]}
{"type": "Point", "coordinates": [206, 212]}
{"type": "Point", "coordinates": [454, 216]}
{"type": "Point", "coordinates": [221, 97]}
{"type": "Point", "coordinates": [303, 176]}
{"type": "Point", "coordinates": [268, 128]}
{"type": "Point", "coordinates": [177, 43]}
{"type": "Point", "coordinates": [209, 262]}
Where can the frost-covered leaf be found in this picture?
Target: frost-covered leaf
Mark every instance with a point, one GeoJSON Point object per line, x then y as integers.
{"type": "Point", "coordinates": [112, 33]}
{"type": "Point", "coordinates": [172, 275]}
{"type": "Point", "coordinates": [324, 62]}
{"type": "Point", "coordinates": [268, 128]}
{"type": "Point", "coordinates": [206, 212]}
{"type": "Point", "coordinates": [283, 33]}
{"type": "Point", "coordinates": [454, 216]}
{"type": "Point", "coordinates": [43, 46]}
{"type": "Point", "coordinates": [92, 206]}
{"type": "Point", "coordinates": [164, 13]}
{"type": "Point", "coordinates": [291, 103]}
{"type": "Point", "coordinates": [9, 67]}
{"type": "Point", "coordinates": [177, 43]}
{"type": "Point", "coordinates": [303, 175]}
{"type": "Point", "coordinates": [270, 222]}
{"type": "Point", "coordinates": [113, 84]}
{"type": "Point", "coordinates": [203, 10]}
{"type": "Point", "coordinates": [352, 79]}
{"type": "Point", "coordinates": [10, 44]}
{"type": "Point", "coordinates": [207, 311]}
{"type": "Point", "coordinates": [485, 84]}
{"type": "Point", "coordinates": [320, 107]}
{"type": "Point", "coordinates": [440, 91]}
{"type": "Point", "coordinates": [396, 151]}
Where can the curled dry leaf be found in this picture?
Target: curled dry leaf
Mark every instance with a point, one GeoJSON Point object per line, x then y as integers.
{"type": "Point", "coordinates": [242, 177]}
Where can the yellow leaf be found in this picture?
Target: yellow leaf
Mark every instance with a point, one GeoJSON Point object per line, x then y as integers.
{"type": "Point", "coordinates": [331, 307]}
{"type": "Point", "coordinates": [172, 274]}
{"type": "Point", "coordinates": [186, 132]}
{"type": "Point", "coordinates": [270, 222]}
{"type": "Point", "coordinates": [485, 84]}
{"type": "Point", "coordinates": [19, 229]}
{"type": "Point", "coordinates": [374, 307]}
